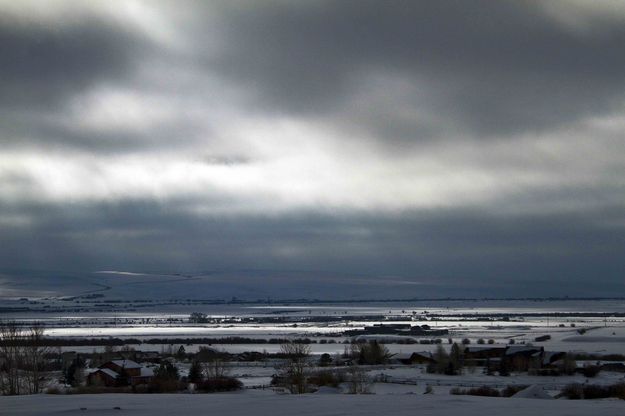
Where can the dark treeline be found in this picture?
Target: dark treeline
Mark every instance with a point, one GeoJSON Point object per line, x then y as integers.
{"type": "Point", "coordinates": [64, 342]}
{"type": "Point", "coordinates": [509, 315]}
{"type": "Point", "coordinates": [119, 342]}
{"type": "Point", "coordinates": [67, 342]}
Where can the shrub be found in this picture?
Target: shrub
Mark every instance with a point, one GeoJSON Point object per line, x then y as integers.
{"type": "Point", "coordinates": [163, 386]}
{"type": "Point", "coordinates": [573, 391]}
{"type": "Point", "coordinates": [98, 390]}
{"type": "Point", "coordinates": [618, 391]}
{"type": "Point", "coordinates": [596, 392]}
{"type": "Point", "coordinates": [484, 391]}
{"type": "Point", "coordinates": [54, 390]}
{"type": "Point", "coordinates": [325, 360]}
{"type": "Point", "coordinates": [476, 391]}
{"type": "Point", "coordinates": [591, 371]}
{"type": "Point", "coordinates": [598, 357]}
{"type": "Point", "coordinates": [592, 391]}
{"type": "Point", "coordinates": [511, 390]}
{"type": "Point", "coordinates": [225, 383]}
{"type": "Point", "coordinates": [326, 378]}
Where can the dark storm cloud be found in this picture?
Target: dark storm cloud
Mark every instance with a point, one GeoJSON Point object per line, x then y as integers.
{"type": "Point", "coordinates": [447, 249]}
{"type": "Point", "coordinates": [35, 131]}
{"type": "Point", "coordinates": [489, 67]}
{"type": "Point", "coordinates": [41, 65]}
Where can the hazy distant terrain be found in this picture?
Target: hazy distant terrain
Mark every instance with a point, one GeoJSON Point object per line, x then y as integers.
{"type": "Point", "coordinates": [247, 285]}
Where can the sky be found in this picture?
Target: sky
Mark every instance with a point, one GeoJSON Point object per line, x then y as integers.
{"type": "Point", "coordinates": [436, 144]}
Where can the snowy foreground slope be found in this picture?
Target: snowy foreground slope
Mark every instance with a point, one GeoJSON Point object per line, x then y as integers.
{"type": "Point", "coordinates": [261, 404]}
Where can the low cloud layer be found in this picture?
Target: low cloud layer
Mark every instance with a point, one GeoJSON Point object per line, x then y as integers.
{"type": "Point", "coordinates": [451, 144]}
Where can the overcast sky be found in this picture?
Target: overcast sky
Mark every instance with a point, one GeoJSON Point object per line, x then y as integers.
{"type": "Point", "coordinates": [446, 143]}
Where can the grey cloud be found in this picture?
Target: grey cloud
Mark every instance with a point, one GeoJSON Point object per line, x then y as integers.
{"type": "Point", "coordinates": [42, 65]}
{"type": "Point", "coordinates": [35, 132]}
{"type": "Point", "coordinates": [493, 68]}
{"type": "Point", "coordinates": [398, 72]}
{"type": "Point", "coordinates": [231, 160]}
{"type": "Point", "coordinates": [446, 249]}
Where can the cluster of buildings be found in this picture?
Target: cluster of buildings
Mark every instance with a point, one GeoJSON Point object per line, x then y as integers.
{"type": "Point", "coordinates": [518, 357]}
{"type": "Point", "coordinates": [118, 373]}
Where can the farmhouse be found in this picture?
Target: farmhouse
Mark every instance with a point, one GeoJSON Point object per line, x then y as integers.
{"type": "Point", "coordinates": [480, 354]}
{"type": "Point", "coordinates": [521, 357]}
{"type": "Point", "coordinates": [118, 373]}
{"type": "Point", "coordinates": [422, 357]}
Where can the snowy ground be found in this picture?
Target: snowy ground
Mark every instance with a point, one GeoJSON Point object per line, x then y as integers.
{"type": "Point", "coordinates": [596, 340]}
{"type": "Point", "coordinates": [261, 403]}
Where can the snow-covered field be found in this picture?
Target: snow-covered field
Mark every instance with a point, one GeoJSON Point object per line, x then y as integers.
{"type": "Point", "coordinates": [592, 326]}
{"type": "Point", "coordinates": [261, 403]}
{"type": "Point", "coordinates": [600, 331]}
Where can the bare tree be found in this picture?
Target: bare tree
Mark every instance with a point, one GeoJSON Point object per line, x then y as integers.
{"type": "Point", "coordinates": [568, 364]}
{"type": "Point", "coordinates": [11, 337]}
{"type": "Point", "coordinates": [22, 358]}
{"type": "Point", "coordinates": [34, 356]}
{"type": "Point", "coordinates": [294, 372]}
{"type": "Point", "coordinates": [216, 368]}
{"type": "Point", "coordinates": [359, 382]}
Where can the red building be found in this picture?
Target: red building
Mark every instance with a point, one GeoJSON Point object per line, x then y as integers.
{"type": "Point", "coordinates": [119, 373]}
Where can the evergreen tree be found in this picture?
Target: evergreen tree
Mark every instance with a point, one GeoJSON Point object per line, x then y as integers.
{"type": "Point", "coordinates": [167, 371]}
{"type": "Point", "coordinates": [74, 374]}
{"type": "Point", "coordinates": [441, 361]}
{"type": "Point", "coordinates": [181, 354]}
{"type": "Point", "coordinates": [195, 373]}
{"type": "Point", "coordinates": [372, 353]}
{"type": "Point", "coordinates": [123, 379]}
{"type": "Point", "coordinates": [456, 358]}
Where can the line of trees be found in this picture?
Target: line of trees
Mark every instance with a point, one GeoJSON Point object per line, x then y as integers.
{"type": "Point", "coordinates": [297, 373]}
{"type": "Point", "coordinates": [451, 363]}
{"type": "Point", "coordinates": [22, 358]}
